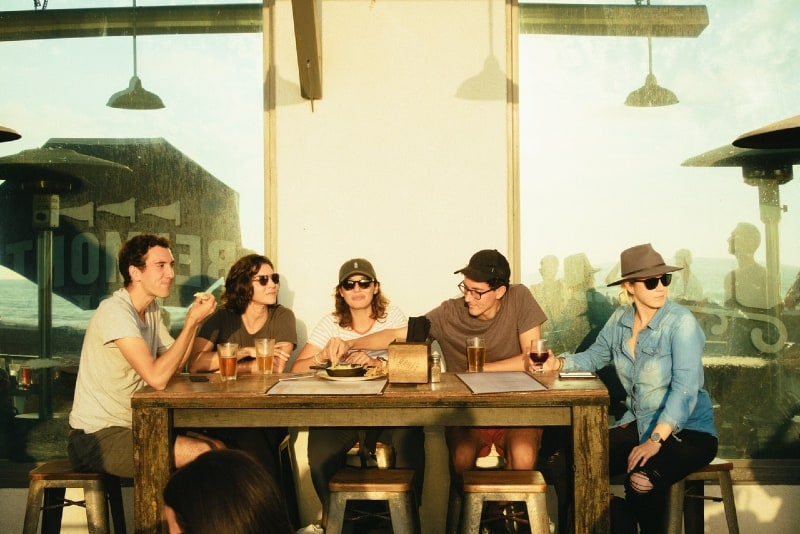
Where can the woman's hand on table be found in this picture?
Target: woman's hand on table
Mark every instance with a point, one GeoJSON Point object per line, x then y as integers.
{"type": "Point", "coordinates": [358, 357]}
{"type": "Point", "coordinates": [335, 349]}
{"type": "Point", "coordinates": [283, 351]}
{"type": "Point", "coordinates": [551, 363]}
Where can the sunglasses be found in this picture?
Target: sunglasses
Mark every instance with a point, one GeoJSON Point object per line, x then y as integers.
{"type": "Point", "coordinates": [264, 279]}
{"type": "Point", "coordinates": [349, 285]}
{"type": "Point", "coordinates": [652, 283]}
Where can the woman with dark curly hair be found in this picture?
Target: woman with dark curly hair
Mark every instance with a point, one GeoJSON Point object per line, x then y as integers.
{"type": "Point", "coordinates": [249, 311]}
{"type": "Point", "coordinates": [224, 491]}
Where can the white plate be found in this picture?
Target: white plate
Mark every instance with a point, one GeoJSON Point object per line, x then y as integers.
{"type": "Point", "coordinates": [326, 376]}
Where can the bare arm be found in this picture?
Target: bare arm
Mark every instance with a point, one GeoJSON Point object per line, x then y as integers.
{"type": "Point", "coordinates": [337, 347]}
{"type": "Point", "coordinates": [157, 372]}
{"type": "Point", "coordinates": [204, 358]}
{"type": "Point", "coordinates": [305, 359]}
{"type": "Point", "coordinates": [520, 362]}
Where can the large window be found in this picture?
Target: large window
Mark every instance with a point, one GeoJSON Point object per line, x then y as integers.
{"type": "Point", "coordinates": [598, 176]}
{"type": "Point", "coordinates": [192, 170]}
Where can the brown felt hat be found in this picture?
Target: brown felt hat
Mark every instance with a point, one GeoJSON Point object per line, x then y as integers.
{"type": "Point", "coordinates": [642, 261]}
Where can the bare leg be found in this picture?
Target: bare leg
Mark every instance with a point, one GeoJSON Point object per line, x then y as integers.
{"type": "Point", "coordinates": [188, 448]}
{"type": "Point", "coordinates": [521, 447]}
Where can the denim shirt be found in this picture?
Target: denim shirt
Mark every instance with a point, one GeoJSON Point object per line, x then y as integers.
{"type": "Point", "coordinates": [664, 383]}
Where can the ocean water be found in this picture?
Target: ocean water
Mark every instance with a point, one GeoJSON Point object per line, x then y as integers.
{"type": "Point", "coordinates": [19, 306]}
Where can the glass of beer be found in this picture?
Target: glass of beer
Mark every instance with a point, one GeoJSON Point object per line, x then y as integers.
{"type": "Point", "coordinates": [265, 353]}
{"type": "Point", "coordinates": [476, 354]}
{"type": "Point", "coordinates": [227, 353]}
{"type": "Point", "coordinates": [538, 354]}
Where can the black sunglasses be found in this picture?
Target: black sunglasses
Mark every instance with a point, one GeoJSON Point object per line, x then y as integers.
{"type": "Point", "coordinates": [652, 283]}
{"type": "Point", "coordinates": [349, 285]}
{"type": "Point", "coordinates": [263, 279]}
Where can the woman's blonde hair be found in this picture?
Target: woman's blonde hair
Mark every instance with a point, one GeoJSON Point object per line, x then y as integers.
{"type": "Point", "coordinates": [625, 297]}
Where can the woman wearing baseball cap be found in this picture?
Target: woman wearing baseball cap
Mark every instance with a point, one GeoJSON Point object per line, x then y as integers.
{"type": "Point", "coordinates": [655, 346]}
{"type": "Point", "coordinates": [360, 308]}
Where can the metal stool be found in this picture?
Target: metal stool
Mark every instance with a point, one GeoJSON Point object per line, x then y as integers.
{"type": "Point", "coordinates": [48, 484]}
{"type": "Point", "coordinates": [392, 485]}
{"type": "Point", "coordinates": [679, 494]}
{"type": "Point", "coordinates": [505, 485]}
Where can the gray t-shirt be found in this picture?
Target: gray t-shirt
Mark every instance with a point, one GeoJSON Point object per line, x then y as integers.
{"type": "Point", "coordinates": [106, 381]}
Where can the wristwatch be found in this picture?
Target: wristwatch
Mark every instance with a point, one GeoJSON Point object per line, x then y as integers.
{"type": "Point", "coordinates": [656, 437]}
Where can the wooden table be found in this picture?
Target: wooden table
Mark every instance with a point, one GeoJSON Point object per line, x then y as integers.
{"type": "Point", "coordinates": [581, 404]}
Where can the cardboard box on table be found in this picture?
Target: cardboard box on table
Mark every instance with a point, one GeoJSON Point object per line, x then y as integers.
{"type": "Point", "coordinates": [409, 362]}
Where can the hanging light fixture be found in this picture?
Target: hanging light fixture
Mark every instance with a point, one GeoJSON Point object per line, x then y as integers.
{"type": "Point", "coordinates": [135, 96]}
{"type": "Point", "coordinates": [650, 94]}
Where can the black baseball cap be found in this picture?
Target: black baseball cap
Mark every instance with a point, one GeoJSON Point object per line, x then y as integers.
{"type": "Point", "coordinates": [486, 265]}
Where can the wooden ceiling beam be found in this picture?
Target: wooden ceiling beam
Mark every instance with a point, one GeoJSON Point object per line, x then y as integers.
{"type": "Point", "coordinates": [613, 20]}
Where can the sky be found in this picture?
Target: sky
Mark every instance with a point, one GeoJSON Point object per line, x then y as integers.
{"type": "Point", "coordinates": [210, 85]}
{"type": "Point", "coordinates": [595, 171]}
{"type": "Point", "coordinates": [596, 176]}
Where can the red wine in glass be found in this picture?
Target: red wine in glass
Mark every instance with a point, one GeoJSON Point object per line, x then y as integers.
{"type": "Point", "coordinates": [538, 354]}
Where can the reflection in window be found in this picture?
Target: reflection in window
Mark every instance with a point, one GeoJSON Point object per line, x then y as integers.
{"type": "Point", "coordinates": [598, 176]}
{"type": "Point", "coordinates": [192, 171]}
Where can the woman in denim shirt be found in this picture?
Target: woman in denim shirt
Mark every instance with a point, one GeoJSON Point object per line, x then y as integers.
{"type": "Point", "coordinates": [655, 346]}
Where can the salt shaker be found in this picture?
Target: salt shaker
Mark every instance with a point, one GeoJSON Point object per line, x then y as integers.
{"type": "Point", "coordinates": [436, 367]}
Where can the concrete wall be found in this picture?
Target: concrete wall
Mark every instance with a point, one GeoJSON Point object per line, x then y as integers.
{"type": "Point", "coordinates": [390, 165]}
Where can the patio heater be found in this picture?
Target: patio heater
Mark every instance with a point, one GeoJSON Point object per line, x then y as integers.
{"type": "Point", "coordinates": [781, 134]}
{"type": "Point", "coordinates": [46, 173]}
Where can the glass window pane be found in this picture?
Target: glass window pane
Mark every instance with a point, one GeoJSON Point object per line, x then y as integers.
{"type": "Point", "coordinates": [193, 169]}
{"type": "Point", "coordinates": [598, 176]}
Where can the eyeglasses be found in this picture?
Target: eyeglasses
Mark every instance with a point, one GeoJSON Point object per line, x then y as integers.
{"type": "Point", "coordinates": [652, 283]}
{"type": "Point", "coordinates": [264, 279]}
{"type": "Point", "coordinates": [474, 293]}
{"type": "Point", "coordinates": [349, 285]}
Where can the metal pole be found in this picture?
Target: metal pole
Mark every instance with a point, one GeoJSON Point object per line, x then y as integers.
{"type": "Point", "coordinates": [44, 244]}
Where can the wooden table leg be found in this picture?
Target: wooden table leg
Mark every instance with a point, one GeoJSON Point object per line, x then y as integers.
{"type": "Point", "coordinates": [591, 485]}
{"type": "Point", "coordinates": [152, 457]}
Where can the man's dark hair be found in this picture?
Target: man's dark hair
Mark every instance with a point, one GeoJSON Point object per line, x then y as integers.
{"type": "Point", "coordinates": [134, 252]}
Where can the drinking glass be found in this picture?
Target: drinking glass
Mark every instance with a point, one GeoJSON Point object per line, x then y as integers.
{"type": "Point", "coordinates": [265, 354]}
{"type": "Point", "coordinates": [227, 360]}
{"type": "Point", "coordinates": [476, 354]}
{"type": "Point", "coordinates": [538, 354]}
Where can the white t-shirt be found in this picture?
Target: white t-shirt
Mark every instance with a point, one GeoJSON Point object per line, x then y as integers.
{"type": "Point", "coordinates": [328, 327]}
{"type": "Point", "coordinates": [106, 381]}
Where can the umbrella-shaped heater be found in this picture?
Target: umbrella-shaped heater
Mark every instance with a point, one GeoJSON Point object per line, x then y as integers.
{"type": "Point", "coordinates": [767, 170]}
{"type": "Point", "coordinates": [781, 134]}
{"type": "Point", "coordinates": [45, 173]}
{"type": "Point", "coordinates": [7, 134]}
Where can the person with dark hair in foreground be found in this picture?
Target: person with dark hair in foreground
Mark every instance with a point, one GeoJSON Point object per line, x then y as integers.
{"type": "Point", "coordinates": [224, 490]}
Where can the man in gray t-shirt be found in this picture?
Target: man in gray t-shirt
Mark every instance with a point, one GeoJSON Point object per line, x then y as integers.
{"type": "Point", "coordinates": [127, 346]}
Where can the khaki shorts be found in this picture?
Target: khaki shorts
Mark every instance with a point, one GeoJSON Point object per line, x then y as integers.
{"type": "Point", "coordinates": [109, 450]}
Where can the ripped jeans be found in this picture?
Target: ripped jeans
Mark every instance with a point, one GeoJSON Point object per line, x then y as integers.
{"type": "Point", "coordinates": [680, 455]}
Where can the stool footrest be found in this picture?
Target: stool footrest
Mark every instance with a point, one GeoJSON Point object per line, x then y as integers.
{"type": "Point", "coordinates": [46, 489]}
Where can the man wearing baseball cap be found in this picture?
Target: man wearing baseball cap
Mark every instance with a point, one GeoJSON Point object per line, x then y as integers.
{"type": "Point", "coordinates": [508, 318]}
